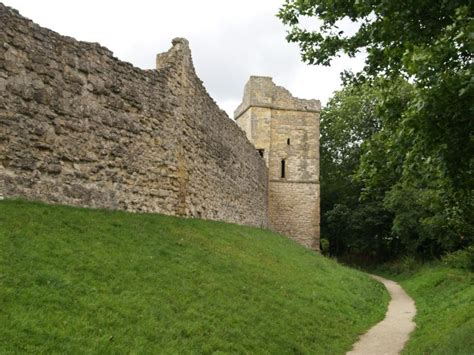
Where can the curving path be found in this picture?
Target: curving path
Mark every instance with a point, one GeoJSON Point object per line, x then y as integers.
{"type": "Point", "coordinates": [390, 335]}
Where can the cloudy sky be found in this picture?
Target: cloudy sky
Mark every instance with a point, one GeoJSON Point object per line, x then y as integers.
{"type": "Point", "coordinates": [230, 40]}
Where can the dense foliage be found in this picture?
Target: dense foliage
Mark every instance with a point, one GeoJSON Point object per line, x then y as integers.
{"type": "Point", "coordinates": [397, 141]}
{"type": "Point", "coordinates": [349, 120]}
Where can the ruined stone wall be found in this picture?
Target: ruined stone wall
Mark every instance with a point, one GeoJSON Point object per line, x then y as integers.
{"type": "Point", "coordinates": [78, 126]}
{"type": "Point", "coordinates": [287, 128]}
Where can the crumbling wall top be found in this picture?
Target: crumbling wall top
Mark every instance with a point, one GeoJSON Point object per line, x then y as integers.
{"type": "Point", "coordinates": [261, 91]}
{"type": "Point", "coordinates": [179, 53]}
{"type": "Point", "coordinates": [78, 126]}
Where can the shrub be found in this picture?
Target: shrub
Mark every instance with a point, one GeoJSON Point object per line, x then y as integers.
{"type": "Point", "coordinates": [407, 264]}
{"type": "Point", "coordinates": [324, 246]}
{"type": "Point", "coordinates": [461, 259]}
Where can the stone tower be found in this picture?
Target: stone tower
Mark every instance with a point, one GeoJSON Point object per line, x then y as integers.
{"type": "Point", "coordinates": [285, 132]}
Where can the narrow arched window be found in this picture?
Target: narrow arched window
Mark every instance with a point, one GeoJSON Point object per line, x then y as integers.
{"type": "Point", "coordinates": [283, 167]}
{"type": "Point", "coordinates": [288, 141]}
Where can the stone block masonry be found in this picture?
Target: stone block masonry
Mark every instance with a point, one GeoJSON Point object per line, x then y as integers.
{"type": "Point", "coordinates": [80, 127]}
{"type": "Point", "coordinates": [285, 131]}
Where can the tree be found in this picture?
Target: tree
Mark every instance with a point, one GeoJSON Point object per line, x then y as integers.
{"type": "Point", "coordinates": [431, 215]}
{"type": "Point", "coordinates": [429, 42]}
{"type": "Point", "coordinates": [413, 37]}
{"type": "Point", "coordinates": [354, 221]}
{"type": "Point", "coordinates": [424, 148]}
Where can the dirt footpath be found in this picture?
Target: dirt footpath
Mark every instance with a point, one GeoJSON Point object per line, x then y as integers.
{"type": "Point", "coordinates": [390, 335]}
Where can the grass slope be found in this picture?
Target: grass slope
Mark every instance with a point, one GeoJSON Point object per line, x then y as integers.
{"type": "Point", "coordinates": [445, 310]}
{"type": "Point", "coordinates": [94, 281]}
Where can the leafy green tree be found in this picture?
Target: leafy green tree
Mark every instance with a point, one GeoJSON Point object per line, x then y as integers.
{"type": "Point", "coordinates": [416, 38]}
{"type": "Point", "coordinates": [346, 122]}
{"type": "Point", "coordinates": [421, 223]}
{"type": "Point", "coordinates": [428, 42]}
{"type": "Point", "coordinates": [430, 216]}
{"type": "Point", "coordinates": [356, 227]}
{"type": "Point", "coordinates": [419, 162]}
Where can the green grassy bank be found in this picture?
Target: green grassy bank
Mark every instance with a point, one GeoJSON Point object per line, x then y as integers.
{"type": "Point", "coordinates": [444, 299]}
{"type": "Point", "coordinates": [78, 280]}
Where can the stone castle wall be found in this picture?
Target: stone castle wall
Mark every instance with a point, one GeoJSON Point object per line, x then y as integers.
{"type": "Point", "coordinates": [78, 126]}
{"type": "Point", "coordinates": [286, 129]}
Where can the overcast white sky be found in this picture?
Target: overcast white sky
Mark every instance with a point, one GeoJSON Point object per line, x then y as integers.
{"type": "Point", "coordinates": [230, 40]}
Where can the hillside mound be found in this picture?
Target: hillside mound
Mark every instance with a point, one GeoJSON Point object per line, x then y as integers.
{"type": "Point", "coordinates": [76, 280]}
{"type": "Point", "coordinates": [445, 302]}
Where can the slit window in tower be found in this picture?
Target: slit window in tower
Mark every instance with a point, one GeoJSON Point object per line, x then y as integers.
{"type": "Point", "coordinates": [261, 152]}
{"type": "Point", "coordinates": [283, 169]}
{"type": "Point", "coordinates": [288, 141]}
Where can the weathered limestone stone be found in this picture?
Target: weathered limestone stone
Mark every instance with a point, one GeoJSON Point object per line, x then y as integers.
{"type": "Point", "coordinates": [80, 127]}
{"type": "Point", "coordinates": [285, 131]}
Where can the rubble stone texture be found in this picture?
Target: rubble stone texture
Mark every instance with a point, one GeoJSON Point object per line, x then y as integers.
{"type": "Point", "coordinates": [80, 127]}
{"type": "Point", "coordinates": [285, 130]}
